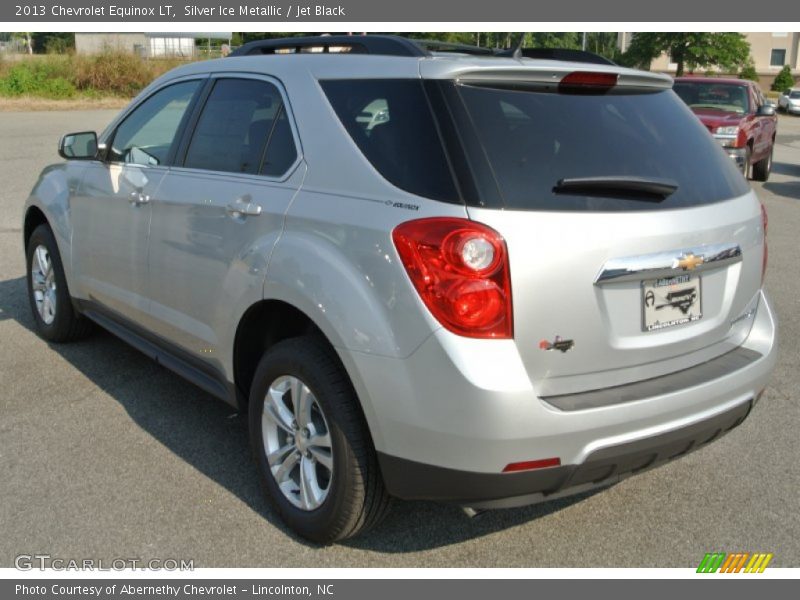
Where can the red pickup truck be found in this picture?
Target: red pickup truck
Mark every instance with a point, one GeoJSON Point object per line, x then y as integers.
{"type": "Point", "coordinates": [737, 114]}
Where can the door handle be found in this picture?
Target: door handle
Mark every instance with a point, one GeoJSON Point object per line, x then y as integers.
{"type": "Point", "coordinates": [243, 209]}
{"type": "Point", "coordinates": [138, 198]}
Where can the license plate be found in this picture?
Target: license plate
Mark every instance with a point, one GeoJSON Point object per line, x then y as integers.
{"type": "Point", "coordinates": [670, 301]}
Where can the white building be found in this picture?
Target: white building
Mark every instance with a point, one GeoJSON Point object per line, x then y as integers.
{"type": "Point", "coordinates": [148, 45]}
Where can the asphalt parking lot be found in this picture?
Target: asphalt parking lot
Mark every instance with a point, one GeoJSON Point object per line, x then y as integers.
{"type": "Point", "coordinates": [104, 454]}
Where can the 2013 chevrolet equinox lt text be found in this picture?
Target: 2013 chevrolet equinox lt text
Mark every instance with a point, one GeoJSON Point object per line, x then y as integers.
{"type": "Point", "coordinates": [479, 279]}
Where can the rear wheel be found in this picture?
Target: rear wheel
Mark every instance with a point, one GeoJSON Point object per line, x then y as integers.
{"type": "Point", "coordinates": [762, 168]}
{"type": "Point", "coordinates": [56, 319]}
{"type": "Point", "coordinates": [316, 459]}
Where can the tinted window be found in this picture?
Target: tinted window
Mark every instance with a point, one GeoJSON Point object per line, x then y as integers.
{"type": "Point", "coordinates": [281, 152]}
{"type": "Point", "coordinates": [533, 139]}
{"type": "Point", "coordinates": [238, 119]}
{"type": "Point", "coordinates": [728, 97]}
{"type": "Point", "coordinates": [147, 134]}
{"type": "Point", "coordinates": [391, 123]}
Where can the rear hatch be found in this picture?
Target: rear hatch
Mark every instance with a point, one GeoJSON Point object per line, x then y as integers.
{"type": "Point", "coordinates": [635, 245]}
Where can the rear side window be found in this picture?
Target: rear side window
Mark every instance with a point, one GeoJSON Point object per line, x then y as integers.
{"type": "Point", "coordinates": [241, 128]}
{"type": "Point", "coordinates": [391, 123]}
{"type": "Point", "coordinates": [534, 139]}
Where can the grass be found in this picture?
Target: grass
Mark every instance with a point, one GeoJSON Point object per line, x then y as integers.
{"type": "Point", "coordinates": [57, 77]}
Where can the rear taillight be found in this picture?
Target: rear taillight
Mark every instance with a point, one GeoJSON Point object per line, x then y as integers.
{"type": "Point", "coordinates": [764, 223]}
{"type": "Point", "coordinates": [460, 270]}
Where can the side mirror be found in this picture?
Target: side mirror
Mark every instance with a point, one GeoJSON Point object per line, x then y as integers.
{"type": "Point", "coordinates": [78, 146]}
{"type": "Point", "coordinates": [766, 110]}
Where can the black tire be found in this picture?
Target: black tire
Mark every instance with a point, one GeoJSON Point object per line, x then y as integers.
{"type": "Point", "coordinates": [762, 168]}
{"type": "Point", "coordinates": [67, 325]}
{"type": "Point", "coordinates": [356, 498]}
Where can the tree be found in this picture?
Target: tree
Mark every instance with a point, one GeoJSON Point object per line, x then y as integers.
{"type": "Point", "coordinates": [53, 43]}
{"type": "Point", "coordinates": [783, 80]}
{"type": "Point", "coordinates": [603, 43]}
{"type": "Point", "coordinates": [689, 49]}
{"type": "Point", "coordinates": [749, 72]}
{"type": "Point", "coordinates": [25, 36]}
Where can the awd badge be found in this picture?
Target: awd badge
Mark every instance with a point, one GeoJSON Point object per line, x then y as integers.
{"type": "Point", "coordinates": [557, 344]}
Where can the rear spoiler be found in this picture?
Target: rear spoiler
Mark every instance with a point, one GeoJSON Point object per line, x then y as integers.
{"type": "Point", "coordinates": [551, 76]}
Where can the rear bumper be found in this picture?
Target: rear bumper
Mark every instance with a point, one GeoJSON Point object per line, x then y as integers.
{"type": "Point", "coordinates": [413, 480]}
{"type": "Point", "coordinates": [448, 419]}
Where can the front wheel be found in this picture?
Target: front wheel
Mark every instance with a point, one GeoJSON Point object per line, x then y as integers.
{"type": "Point", "coordinates": [748, 156]}
{"type": "Point", "coordinates": [51, 305]}
{"type": "Point", "coordinates": [315, 456]}
{"type": "Point", "coordinates": [762, 168]}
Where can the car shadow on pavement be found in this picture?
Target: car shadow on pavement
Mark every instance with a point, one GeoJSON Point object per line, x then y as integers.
{"type": "Point", "coordinates": [211, 437]}
{"type": "Point", "coordinates": [787, 189]}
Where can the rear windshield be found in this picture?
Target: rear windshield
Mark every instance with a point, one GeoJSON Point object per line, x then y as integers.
{"type": "Point", "coordinates": [509, 148]}
{"type": "Point", "coordinates": [794, 95]}
{"type": "Point", "coordinates": [534, 139]}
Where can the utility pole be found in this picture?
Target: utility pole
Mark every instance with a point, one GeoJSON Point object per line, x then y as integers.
{"type": "Point", "coordinates": [583, 44]}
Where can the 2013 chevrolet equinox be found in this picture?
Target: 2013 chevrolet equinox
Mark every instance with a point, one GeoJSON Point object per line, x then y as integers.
{"type": "Point", "coordinates": [487, 280]}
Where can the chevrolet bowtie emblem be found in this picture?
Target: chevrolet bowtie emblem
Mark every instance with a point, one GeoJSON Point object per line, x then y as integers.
{"type": "Point", "coordinates": [688, 262]}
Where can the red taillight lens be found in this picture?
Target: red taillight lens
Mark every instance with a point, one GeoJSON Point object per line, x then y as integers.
{"type": "Point", "coordinates": [764, 223]}
{"type": "Point", "coordinates": [460, 270]}
{"type": "Point", "coordinates": [530, 465]}
{"type": "Point", "coordinates": [587, 79]}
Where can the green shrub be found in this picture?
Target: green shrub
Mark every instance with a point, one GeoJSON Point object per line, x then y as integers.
{"type": "Point", "coordinates": [47, 77]}
{"type": "Point", "coordinates": [117, 73]}
{"type": "Point", "coordinates": [783, 80]}
{"type": "Point", "coordinates": [749, 72]}
{"type": "Point", "coordinates": [57, 76]}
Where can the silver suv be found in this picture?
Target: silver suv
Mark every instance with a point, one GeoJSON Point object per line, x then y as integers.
{"type": "Point", "coordinates": [451, 275]}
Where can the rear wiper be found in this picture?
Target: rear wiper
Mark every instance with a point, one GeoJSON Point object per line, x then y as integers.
{"type": "Point", "coordinates": [633, 188]}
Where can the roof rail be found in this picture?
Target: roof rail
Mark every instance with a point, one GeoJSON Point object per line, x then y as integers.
{"type": "Point", "coordinates": [394, 45]}
{"type": "Point", "coordinates": [387, 45]}
{"type": "Point", "coordinates": [437, 46]}
{"type": "Point", "coordinates": [563, 54]}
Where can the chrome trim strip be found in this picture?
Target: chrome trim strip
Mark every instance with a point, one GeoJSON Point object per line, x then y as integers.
{"type": "Point", "coordinates": [666, 264]}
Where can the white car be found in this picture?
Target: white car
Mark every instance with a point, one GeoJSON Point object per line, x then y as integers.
{"type": "Point", "coordinates": [789, 101]}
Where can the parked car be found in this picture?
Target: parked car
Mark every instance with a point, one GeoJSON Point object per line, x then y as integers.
{"type": "Point", "coordinates": [514, 285]}
{"type": "Point", "coordinates": [737, 114]}
{"type": "Point", "coordinates": [789, 101]}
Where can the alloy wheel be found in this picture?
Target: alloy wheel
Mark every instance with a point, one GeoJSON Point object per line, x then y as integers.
{"type": "Point", "coordinates": [297, 442]}
{"type": "Point", "coordinates": [43, 283]}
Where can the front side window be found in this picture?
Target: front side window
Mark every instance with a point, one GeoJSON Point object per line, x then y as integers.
{"type": "Point", "coordinates": [243, 128]}
{"type": "Point", "coordinates": [146, 135]}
